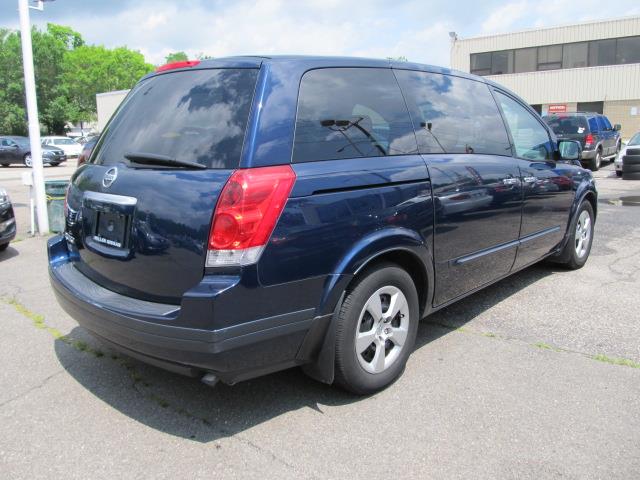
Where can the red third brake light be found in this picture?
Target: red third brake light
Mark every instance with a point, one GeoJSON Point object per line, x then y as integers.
{"type": "Point", "coordinates": [247, 211]}
{"type": "Point", "coordinates": [174, 65]}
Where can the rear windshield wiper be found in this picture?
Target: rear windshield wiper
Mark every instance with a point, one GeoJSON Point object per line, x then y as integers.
{"type": "Point", "coordinates": [145, 158]}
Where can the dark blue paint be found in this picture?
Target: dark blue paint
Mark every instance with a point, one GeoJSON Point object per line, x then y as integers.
{"type": "Point", "coordinates": [463, 220]}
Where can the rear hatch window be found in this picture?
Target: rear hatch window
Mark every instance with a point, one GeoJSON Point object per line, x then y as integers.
{"type": "Point", "coordinates": [195, 116]}
{"type": "Point", "coordinates": [566, 125]}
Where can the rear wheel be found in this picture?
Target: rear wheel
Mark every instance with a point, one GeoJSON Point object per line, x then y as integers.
{"type": "Point", "coordinates": [619, 173]}
{"type": "Point", "coordinates": [3, 247]}
{"type": "Point", "coordinates": [54, 164]}
{"type": "Point", "coordinates": [376, 330]}
{"type": "Point", "coordinates": [578, 247]}
{"type": "Point", "coordinates": [596, 162]}
{"type": "Point", "coordinates": [27, 160]}
{"type": "Point", "coordinates": [631, 176]}
{"type": "Point", "coordinates": [5, 164]}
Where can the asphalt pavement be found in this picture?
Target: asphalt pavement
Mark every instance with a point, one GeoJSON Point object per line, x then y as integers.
{"type": "Point", "coordinates": [537, 376]}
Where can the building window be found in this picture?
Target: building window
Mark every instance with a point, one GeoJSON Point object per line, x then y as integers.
{"type": "Point", "coordinates": [502, 62]}
{"type": "Point", "coordinates": [481, 63]}
{"type": "Point", "coordinates": [602, 52]}
{"type": "Point", "coordinates": [575, 55]}
{"type": "Point", "coordinates": [628, 50]}
{"type": "Point", "coordinates": [597, 107]}
{"type": "Point", "coordinates": [550, 57]}
{"type": "Point", "coordinates": [526, 59]}
{"type": "Point", "coordinates": [612, 51]}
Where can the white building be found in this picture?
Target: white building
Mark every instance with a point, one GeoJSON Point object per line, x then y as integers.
{"type": "Point", "coordinates": [591, 66]}
{"type": "Point", "coordinates": [106, 104]}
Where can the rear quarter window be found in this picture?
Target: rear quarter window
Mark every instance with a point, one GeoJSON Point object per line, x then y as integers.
{"type": "Point", "coordinates": [593, 125]}
{"type": "Point", "coordinates": [351, 113]}
{"type": "Point", "coordinates": [197, 115]}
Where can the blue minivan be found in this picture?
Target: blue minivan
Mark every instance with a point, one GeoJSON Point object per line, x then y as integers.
{"type": "Point", "coordinates": [244, 215]}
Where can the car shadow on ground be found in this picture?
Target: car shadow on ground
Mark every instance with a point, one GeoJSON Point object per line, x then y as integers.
{"type": "Point", "coordinates": [186, 408]}
{"type": "Point", "coordinates": [10, 252]}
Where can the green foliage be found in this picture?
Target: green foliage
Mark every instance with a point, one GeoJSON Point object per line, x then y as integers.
{"type": "Point", "coordinates": [68, 76]}
{"type": "Point", "coordinates": [91, 69]}
{"type": "Point", "coordinates": [176, 57]}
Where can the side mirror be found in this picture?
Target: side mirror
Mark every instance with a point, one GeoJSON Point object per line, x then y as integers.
{"type": "Point", "coordinates": [617, 127]}
{"type": "Point", "coordinates": [569, 149]}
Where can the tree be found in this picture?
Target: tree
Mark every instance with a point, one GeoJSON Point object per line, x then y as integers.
{"type": "Point", "coordinates": [68, 75]}
{"type": "Point", "coordinates": [176, 57]}
{"type": "Point", "coordinates": [91, 69]}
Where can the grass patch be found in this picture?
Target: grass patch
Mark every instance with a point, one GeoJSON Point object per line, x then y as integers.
{"type": "Point", "coordinates": [38, 321]}
{"type": "Point", "coordinates": [616, 361]}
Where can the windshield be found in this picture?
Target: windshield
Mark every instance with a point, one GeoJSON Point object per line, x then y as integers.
{"type": "Point", "coordinates": [193, 116]}
{"type": "Point", "coordinates": [64, 141]}
{"type": "Point", "coordinates": [635, 140]}
{"type": "Point", "coordinates": [566, 125]}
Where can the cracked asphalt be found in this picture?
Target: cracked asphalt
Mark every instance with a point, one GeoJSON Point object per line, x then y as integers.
{"type": "Point", "coordinates": [537, 376]}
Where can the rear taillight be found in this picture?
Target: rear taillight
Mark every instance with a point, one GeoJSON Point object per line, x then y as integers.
{"type": "Point", "coordinates": [588, 140]}
{"type": "Point", "coordinates": [84, 155]}
{"type": "Point", "coordinates": [247, 211]}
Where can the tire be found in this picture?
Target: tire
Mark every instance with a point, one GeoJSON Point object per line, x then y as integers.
{"type": "Point", "coordinates": [3, 247]}
{"type": "Point", "coordinates": [630, 168]}
{"type": "Point", "coordinates": [54, 164]}
{"type": "Point", "coordinates": [633, 151]}
{"type": "Point", "coordinates": [631, 176]}
{"type": "Point", "coordinates": [27, 160]}
{"type": "Point", "coordinates": [359, 368]}
{"type": "Point", "coordinates": [619, 173]}
{"type": "Point", "coordinates": [5, 165]}
{"type": "Point", "coordinates": [631, 160]}
{"type": "Point", "coordinates": [596, 162]}
{"type": "Point", "coordinates": [572, 257]}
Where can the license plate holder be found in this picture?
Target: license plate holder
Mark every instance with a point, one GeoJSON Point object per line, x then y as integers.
{"type": "Point", "coordinates": [111, 229]}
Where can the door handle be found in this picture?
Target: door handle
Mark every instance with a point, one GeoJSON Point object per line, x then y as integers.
{"type": "Point", "coordinates": [509, 181]}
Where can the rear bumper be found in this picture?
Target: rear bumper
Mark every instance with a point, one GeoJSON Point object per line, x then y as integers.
{"type": "Point", "coordinates": [147, 330]}
{"type": "Point", "coordinates": [588, 154]}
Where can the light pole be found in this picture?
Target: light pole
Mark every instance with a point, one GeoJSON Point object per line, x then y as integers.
{"type": "Point", "coordinates": [32, 115]}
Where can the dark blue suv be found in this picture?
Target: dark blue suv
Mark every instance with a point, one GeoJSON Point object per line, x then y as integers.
{"type": "Point", "coordinates": [245, 215]}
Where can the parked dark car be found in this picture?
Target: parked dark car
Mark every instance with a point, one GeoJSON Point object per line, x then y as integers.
{"type": "Point", "coordinates": [87, 148]}
{"type": "Point", "coordinates": [244, 215]}
{"type": "Point", "coordinates": [15, 149]}
{"type": "Point", "coordinates": [599, 139]}
{"type": "Point", "coordinates": [7, 220]}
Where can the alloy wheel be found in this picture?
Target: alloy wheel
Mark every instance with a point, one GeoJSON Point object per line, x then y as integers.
{"type": "Point", "coordinates": [382, 329]}
{"type": "Point", "coordinates": [583, 233]}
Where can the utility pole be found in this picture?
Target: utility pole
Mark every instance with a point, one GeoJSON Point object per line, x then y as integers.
{"type": "Point", "coordinates": [32, 114]}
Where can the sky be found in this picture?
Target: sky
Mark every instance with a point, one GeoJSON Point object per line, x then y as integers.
{"type": "Point", "coordinates": [417, 30]}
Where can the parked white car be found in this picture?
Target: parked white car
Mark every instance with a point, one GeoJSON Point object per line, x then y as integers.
{"type": "Point", "coordinates": [70, 147]}
{"type": "Point", "coordinates": [633, 142]}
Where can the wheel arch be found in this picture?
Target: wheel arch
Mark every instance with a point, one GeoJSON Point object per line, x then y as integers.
{"type": "Point", "coordinates": [400, 246]}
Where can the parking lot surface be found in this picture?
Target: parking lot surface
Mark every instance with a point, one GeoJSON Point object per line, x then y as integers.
{"type": "Point", "coordinates": [537, 376]}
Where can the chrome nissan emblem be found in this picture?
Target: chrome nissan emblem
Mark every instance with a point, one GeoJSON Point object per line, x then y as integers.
{"type": "Point", "coordinates": [109, 177]}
